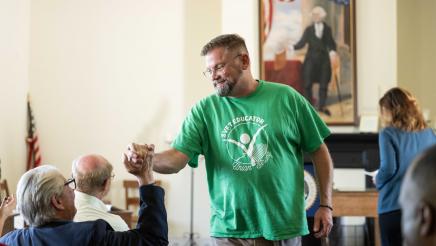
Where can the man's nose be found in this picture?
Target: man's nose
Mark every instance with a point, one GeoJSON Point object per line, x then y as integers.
{"type": "Point", "coordinates": [215, 75]}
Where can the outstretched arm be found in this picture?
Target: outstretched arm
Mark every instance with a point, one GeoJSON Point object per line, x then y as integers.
{"type": "Point", "coordinates": [169, 161]}
{"type": "Point", "coordinates": [166, 162]}
{"type": "Point", "coordinates": [303, 40]}
{"type": "Point", "coordinates": [324, 171]}
{"type": "Point", "coordinates": [152, 227]}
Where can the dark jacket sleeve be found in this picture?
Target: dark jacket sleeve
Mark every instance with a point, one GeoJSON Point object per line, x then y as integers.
{"type": "Point", "coordinates": [152, 227]}
{"type": "Point", "coordinates": [329, 42]}
{"type": "Point", "coordinates": [304, 39]}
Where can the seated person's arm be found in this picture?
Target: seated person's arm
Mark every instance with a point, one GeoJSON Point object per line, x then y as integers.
{"type": "Point", "coordinates": [152, 227]}
{"type": "Point", "coordinates": [6, 209]}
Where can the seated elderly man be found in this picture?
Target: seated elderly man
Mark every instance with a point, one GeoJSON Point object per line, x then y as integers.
{"type": "Point", "coordinates": [46, 201]}
{"type": "Point", "coordinates": [93, 175]}
{"type": "Point", "coordinates": [418, 200]}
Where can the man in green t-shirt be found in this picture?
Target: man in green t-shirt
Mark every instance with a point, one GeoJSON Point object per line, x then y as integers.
{"type": "Point", "coordinates": [253, 135]}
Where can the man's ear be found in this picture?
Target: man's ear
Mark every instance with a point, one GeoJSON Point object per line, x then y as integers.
{"type": "Point", "coordinates": [106, 186]}
{"type": "Point", "coordinates": [426, 220]}
{"type": "Point", "coordinates": [57, 203]}
{"type": "Point", "coordinates": [245, 61]}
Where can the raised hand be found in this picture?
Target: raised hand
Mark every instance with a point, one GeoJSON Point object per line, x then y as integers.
{"type": "Point", "coordinates": [7, 206]}
{"type": "Point", "coordinates": [138, 160]}
{"type": "Point", "coordinates": [6, 209]}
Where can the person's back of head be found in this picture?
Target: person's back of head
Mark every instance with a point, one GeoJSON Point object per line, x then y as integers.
{"type": "Point", "coordinates": [418, 200]}
{"type": "Point", "coordinates": [231, 42]}
{"type": "Point", "coordinates": [93, 174]}
{"type": "Point", "coordinates": [35, 191]}
{"type": "Point", "coordinates": [399, 108]}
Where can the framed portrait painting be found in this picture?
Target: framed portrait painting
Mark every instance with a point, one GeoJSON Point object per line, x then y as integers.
{"type": "Point", "coordinates": [310, 45]}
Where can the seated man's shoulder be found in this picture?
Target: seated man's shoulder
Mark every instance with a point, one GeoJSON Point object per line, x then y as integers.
{"type": "Point", "coordinates": [80, 232]}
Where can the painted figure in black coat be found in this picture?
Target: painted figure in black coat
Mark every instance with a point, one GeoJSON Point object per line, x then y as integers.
{"type": "Point", "coordinates": [317, 67]}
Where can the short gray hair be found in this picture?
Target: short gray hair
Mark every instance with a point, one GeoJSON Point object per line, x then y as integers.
{"type": "Point", "coordinates": [35, 190]}
{"type": "Point", "coordinates": [91, 182]}
{"type": "Point", "coordinates": [227, 41]}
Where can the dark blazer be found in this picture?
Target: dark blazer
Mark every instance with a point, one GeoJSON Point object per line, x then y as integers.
{"type": "Point", "coordinates": [152, 228]}
{"type": "Point", "coordinates": [317, 60]}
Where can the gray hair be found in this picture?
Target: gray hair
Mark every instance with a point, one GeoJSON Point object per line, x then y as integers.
{"type": "Point", "coordinates": [319, 11]}
{"type": "Point", "coordinates": [35, 190]}
{"type": "Point", "coordinates": [91, 182]}
{"type": "Point", "coordinates": [227, 41]}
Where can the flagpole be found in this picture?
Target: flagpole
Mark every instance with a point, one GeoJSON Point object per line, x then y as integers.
{"type": "Point", "coordinates": [191, 241]}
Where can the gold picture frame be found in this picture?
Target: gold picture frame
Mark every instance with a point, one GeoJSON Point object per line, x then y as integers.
{"type": "Point", "coordinates": [284, 28]}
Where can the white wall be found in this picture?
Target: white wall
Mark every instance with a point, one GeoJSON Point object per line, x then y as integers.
{"type": "Point", "coordinates": [417, 52]}
{"type": "Point", "coordinates": [376, 27]}
{"type": "Point", "coordinates": [14, 82]}
{"type": "Point", "coordinates": [202, 23]}
{"type": "Point", "coordinates": [103, 74]}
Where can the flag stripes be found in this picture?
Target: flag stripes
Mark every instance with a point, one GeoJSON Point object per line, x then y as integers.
{"type": "Point", "coordinates": [33, 151]}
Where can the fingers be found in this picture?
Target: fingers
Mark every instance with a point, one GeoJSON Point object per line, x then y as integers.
{"type": "Point", "coordinates": [324, 230]}
{"type": "Point", "coordinates": [137, 152]}
{"type": "Point", "coordinates": [11, 201]}
{"type": "Point", "coordinates": [8, 205]}
{"type": "Point", "coordinates": [316, 225]}
{"type": "Point", "coordinates": [323, 224]}
{"type": "Point", "coordinates": [151, 147]}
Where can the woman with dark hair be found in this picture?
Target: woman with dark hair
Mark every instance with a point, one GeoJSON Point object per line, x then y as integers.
{"type": "Point", "coordinates": [405, 134]}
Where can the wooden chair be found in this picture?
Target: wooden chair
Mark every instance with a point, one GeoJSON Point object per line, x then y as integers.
{"type": "Point", "coordinates": [132, 198]}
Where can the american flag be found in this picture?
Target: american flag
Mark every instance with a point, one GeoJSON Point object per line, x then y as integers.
{"type": "Point", "coordinates": [33, 154]}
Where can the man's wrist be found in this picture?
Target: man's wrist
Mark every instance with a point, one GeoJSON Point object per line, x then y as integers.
{"type": "Point", "coordinates": [326, 206]}
{"type": "Point", "coordinates": [146, 180]}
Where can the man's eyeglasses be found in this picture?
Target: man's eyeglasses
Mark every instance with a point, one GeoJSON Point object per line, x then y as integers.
{"type": "Point", "coordinates": [71, 183]}
{"type": "Point", "coordinates": [208, 73]}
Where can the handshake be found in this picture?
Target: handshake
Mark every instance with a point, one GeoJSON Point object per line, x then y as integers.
{"type": "Point", "coordinates": [138, 160]}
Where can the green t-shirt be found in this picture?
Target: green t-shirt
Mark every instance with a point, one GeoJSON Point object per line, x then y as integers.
{"type": "Point", "coordinates": [253, 148]}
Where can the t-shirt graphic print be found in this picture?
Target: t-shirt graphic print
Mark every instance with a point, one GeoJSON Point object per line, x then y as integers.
{"type": "Point", "coordinates": [246, 142]}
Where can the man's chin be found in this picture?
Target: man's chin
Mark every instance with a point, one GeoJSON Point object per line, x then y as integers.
{"type": "Point", "coordinates": [222, 91]}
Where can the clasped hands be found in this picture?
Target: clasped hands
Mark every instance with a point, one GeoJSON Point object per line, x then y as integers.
{"type": "Point", "coordinates": [138, 160]}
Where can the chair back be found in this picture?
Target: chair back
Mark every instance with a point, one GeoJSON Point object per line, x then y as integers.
{"type": "Point", "coordinates": [131, 191]}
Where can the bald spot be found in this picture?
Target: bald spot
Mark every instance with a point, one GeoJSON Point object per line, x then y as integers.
{"type": "Point", "coordinates": [89, 163]}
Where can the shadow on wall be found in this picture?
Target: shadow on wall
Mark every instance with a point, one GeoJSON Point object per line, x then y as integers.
{"type": "Point", "coordinates": [156, 128]}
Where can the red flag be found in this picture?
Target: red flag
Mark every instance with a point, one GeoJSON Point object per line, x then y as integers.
{"type": "Point", "coordinates": [33, 154]}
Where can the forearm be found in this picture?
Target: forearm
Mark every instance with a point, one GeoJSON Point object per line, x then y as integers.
{"type": "Point", "coordinates": [324, 171]}
{"type": "Point", "coordinates": [152, 226]}
{"type": "Point", "coordinates": [169, 161]}
{"type": "Point", "coordinates": [152, 221]}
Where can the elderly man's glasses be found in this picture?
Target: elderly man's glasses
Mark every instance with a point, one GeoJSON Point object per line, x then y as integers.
{"type": "Point", "coordinates": [208, 73]}
{"type": "Point", "coordinates": [71, 183]}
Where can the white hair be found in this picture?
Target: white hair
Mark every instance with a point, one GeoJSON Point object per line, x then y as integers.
{"type": "Point", "coordinates": [319, 11]}
{"type": "Point", "coordinates": [35, 190]}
